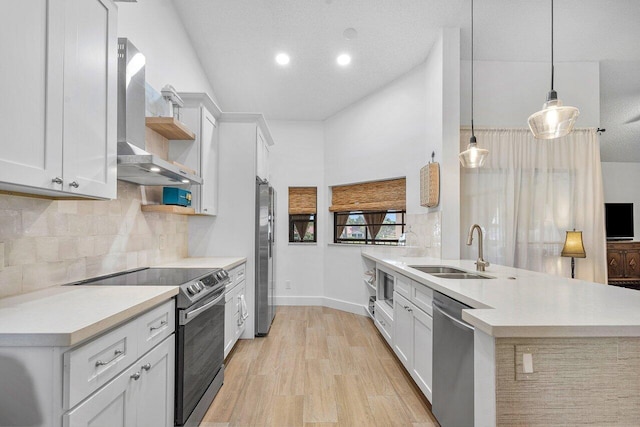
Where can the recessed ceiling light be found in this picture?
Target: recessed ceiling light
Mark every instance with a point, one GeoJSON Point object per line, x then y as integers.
{"type": "Point", "coordinates": [154, 169]}
{"type": "Point", "coordinates": [350, 34]}
{"type": "Point", "coordinates": [343, 60]}
{"type": "Point", "coordinates": [282, 59]}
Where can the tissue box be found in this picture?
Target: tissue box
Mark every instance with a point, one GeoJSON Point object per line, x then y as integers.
{"type": "Point", "coordinates": [176, 196]}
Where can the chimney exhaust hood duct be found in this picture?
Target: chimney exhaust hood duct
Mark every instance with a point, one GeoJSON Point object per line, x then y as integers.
{"type": "Point", "coordinates": [134, 163]}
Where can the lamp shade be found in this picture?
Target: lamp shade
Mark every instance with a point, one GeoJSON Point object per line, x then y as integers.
{"type": "Point", "coordinates": [573, 246]}
{"type": "Point", "coordinates": [473, 157]}
{"type": "Point", "coordinates": [554, 120]}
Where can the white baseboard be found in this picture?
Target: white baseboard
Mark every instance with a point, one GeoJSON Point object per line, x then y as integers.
{"type": "Point", "coordinates": [323, 302]}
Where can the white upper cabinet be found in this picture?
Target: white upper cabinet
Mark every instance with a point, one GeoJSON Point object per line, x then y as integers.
{"type": "Point", "coordinates": [201, 154]}
{"type": "Point", "coordinates": [32, 46]}
{"type": "Point", "coordinates": [208, 194]}
{"type": "Point", "coordinates": [59, 89]}
{"type": "Point", "coordinates": [90, 99]}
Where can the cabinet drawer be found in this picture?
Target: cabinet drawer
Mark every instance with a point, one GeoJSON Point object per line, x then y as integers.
{"type": "Point", "coordinates": [383, 323]}
{"type": "Point", "coordinates": [90, 366]}
{"type": "Point", "coordinates": [155, 325]}
{"type": "Point", "coordinates": [403, 286]}
{"type": "Point", "coordinates": [422, 297]}
{"type": "Point", "coordinates": [238, 273]}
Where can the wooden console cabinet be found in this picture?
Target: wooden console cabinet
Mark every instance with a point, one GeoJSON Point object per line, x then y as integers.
{"type": "Point", "coordinates": [623, 264]}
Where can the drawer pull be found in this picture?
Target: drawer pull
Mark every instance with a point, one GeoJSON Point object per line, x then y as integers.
{"type": "Point", "coordinates": [135, 376]}
{"type": "Point", "coordinates": [146, 366]}
{"type": "Point", "coordinates": [115, 356]}
{"type": "Point", "coordinates": [162, 324]}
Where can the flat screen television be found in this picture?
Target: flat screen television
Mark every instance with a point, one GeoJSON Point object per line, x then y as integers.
{"type": "Point", "coordinates": [619, 221]}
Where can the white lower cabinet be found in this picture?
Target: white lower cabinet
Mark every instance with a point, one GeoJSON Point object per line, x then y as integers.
{"type": "Point", "coordinates": [384, 320]}
{"type": "Point", "coordinates": [235, 318]}
{"type": "Point", "coordinates": [422, 351]}
{"type": "Point", "coordinates": [413, 341]}
{"type": "Point", "coordinates": [122, 377]}
{"type": "Point", "coordinates": [142, 395]}
{"type": "Point", "coordinates": [155, 395]}
{"type": "Point", "coordinates": [402, 329]}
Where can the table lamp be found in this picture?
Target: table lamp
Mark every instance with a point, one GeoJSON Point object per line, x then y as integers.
{"type": "Point", "coordinates": [574, 248]}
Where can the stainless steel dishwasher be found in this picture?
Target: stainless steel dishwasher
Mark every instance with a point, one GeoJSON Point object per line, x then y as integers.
{"type": "Point", "coordinates": [452, 363]}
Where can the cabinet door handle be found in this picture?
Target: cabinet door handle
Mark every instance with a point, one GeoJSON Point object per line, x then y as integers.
{"type": "Point", "coordinates": [146, 366]}
{"type": "Point", "coordinates": [153, 328]}
{"type": "Point", "coordinates": [135, 376]}
{"type": "Point", "coordinates": [57, 180]}
{"type": "Point", "coordinates": [74, 184]}
{"type": "Point", "coordinates": [115, 356]}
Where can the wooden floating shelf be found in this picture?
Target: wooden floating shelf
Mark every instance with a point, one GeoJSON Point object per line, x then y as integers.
{"type": "Point", "coordinates": [170, 128]}
{"type": "Point", "coordinates": [172, 209]}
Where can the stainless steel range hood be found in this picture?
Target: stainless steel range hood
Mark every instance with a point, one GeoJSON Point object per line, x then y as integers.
{"type": "Point", "coordinates": [134, 163]}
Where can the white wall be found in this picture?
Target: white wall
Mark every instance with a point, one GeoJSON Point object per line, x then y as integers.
{"type": "Point", "coordinates": [232, 231]}
{"type": "Point", "coordinates": [507, 93]}
{"type": "Point", "coordinates": [620, 186]}
{"type": "Point", "coordinates": [297, 160]}
{"type": "Point", "coordinates": [155, 28]}
{"type": "Point", "coordinates": [391, 133]}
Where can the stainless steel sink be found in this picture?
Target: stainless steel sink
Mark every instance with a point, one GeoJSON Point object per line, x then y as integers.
{"type": "Point", "coordinates": [461, 276]}
{"type": "Point", "coordinates": [449, 272]}
{"type": "Point", "coordinates": [436, 269]}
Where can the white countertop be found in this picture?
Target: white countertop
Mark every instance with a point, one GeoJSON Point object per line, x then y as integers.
{"type": "Point", "coordinates": [206, 262]}
{"type": "Point", "coordinates": [64, 316]}
{"type": "Point", "coordinates": [531, 305]}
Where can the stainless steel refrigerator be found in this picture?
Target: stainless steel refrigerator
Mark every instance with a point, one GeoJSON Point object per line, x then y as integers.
{"type": "Point", "coordinates": [265, 241]}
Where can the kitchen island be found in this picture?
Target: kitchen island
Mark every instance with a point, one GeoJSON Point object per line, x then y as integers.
{"type": "Point", "coordinates": [583, 338]}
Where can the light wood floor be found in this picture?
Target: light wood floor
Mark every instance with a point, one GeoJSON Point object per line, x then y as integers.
{"type": "Point", "coordinates": [318, 367]}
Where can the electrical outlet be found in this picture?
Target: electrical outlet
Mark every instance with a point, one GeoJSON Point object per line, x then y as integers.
{"type": "Point", "coordinates": [287, 284]}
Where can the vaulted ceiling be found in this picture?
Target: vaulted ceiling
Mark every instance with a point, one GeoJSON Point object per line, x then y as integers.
{"type": "Point", "coordinates": [237, 40]}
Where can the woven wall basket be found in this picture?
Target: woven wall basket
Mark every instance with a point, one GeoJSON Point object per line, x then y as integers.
{"type": "Point", "coordinates": [430, 185]}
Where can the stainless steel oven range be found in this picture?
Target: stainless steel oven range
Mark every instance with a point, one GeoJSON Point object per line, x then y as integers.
{"type": "Point", "coordinates": [199, 331]}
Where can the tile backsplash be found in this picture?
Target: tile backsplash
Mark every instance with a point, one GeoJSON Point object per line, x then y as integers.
{"type": "Point", "coordinates": [424, 231]}
{"type": "Point", "coordinates": [47, 242]}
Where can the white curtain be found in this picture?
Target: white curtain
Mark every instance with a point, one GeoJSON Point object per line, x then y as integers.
{"type": "Point", "coordinates": [529, 193]}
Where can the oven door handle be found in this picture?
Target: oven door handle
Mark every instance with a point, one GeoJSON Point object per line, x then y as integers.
{"type": "Point", "coordinates": [190, 315]}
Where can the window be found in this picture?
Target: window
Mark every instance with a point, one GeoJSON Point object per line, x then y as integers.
{"type": "Point", "coordinates": [302, 214]}
{"type": "Point", "coordinates": [377, 228]}
{"type": "Point", "coordinates": [369, 212]}
{"type": "Point", "coordinates": [305, 224]}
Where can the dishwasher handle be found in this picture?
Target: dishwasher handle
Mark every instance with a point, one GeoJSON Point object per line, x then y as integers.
{"type": "Point", "coordinates": [458, 323]}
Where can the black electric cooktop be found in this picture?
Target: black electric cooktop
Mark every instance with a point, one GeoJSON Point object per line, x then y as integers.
{"type": "Point", "coordinates": [151, 277]}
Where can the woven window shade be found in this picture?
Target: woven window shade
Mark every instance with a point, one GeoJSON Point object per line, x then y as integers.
{"type": "Point", "coordinates": [370, 196]}
{"type": "Point", "coordinates": [302, 200]}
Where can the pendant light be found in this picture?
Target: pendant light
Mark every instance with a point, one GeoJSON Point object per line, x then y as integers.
{"type": "Point", "coordinates": [554, 120]}
{"type": "Point", "coordinates": [472, 157]}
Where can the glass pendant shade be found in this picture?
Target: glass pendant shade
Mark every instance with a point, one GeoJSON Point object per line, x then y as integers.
{"type": "Point", "coordinates": [473, 157]}
{"type": "Point", "coordinates": [554, 120]}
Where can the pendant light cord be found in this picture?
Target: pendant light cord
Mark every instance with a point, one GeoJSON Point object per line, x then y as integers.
{"type": "Point", "coordinates": [552, 68]}
{"type": "Point", "coordinates": [472, 130]}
